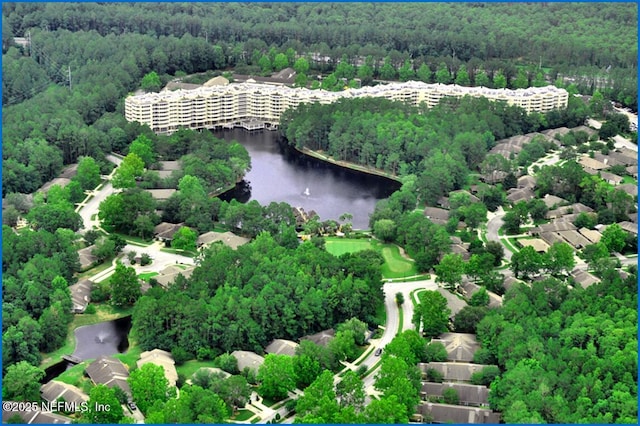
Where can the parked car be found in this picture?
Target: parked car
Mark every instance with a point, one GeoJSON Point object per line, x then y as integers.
{"type": "Point", "coordinates": [378, 352]}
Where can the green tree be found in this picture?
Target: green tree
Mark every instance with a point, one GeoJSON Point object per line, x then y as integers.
{"type": "Point", "coordinates": [350, 391]}
{"type": "Point", "coordinates": [462, 77]}
{"type": "Point", "coordinates": [151, 82]}
{"type": "Point", "coordinates": [481, 78]}
{"type": "Point", "coordinates": [22, 382]}
{"type": "Point", "coordinates": [276, 376]}
{"type": "Point", "coordinates": [406, 72]}
{"type": "Point", "coordinates": [343, 345]}
{"type": "Point", "coordinates": [443, 76]}
{"type": "Point", "coordinates": [480, 298]}
{"type": "Point", "coordinates": [331, 83]}
{"type": "Point", "coordinates": [386, 411]}
{"type": "Point", "coordinates": [103, 406]}
{"type": "Point", "coordinates": [358, 327]}
{"type": "Point", "coordinates": [450, 396]}
{"type": "Point", "coordinates": [280, 62]}
{"type": "Point", "coordinates": [559, 258]}
{"type": "Point", "coordinates": [184, 239]}
{"type": "Point", "coordinates": [385, 229]}
{"type": "Point", "coordinates": [265, 64]}
{"type": "Point", "coordinates": [387, 71]}
{"type": "Point", "coordinates": [142, 146]}
{"type": "Point", "coordinates": [435, 352]}
{"type": "Point", "coordinates": [449, 270]}
{"type": "Point", "coordinates": [432, 313]}
{"type": "Point", "coordinates": [125, 288]}
{"type": "Point", "coordinates": [227, 362]}
{"type": "Point", "coordinates": [613, 237]}
{"type": "Point", "coordinates": [88, 173]}
{"type": "Point", "coordinates": [148, 385]}
{"type": "Point", "coordinates": [424, 73]}
{"type": "Point", "coordinates": [399, 298]}
{"type": "Point", "coordinates": [499, 80]}
{"type": "Point", "coordinates": [521, 81]}
{"type": "Point", "coordinates": [130, 169]}
{"type": "Point", "coordinates": [301, 66]}
{"type": "Point", "coordinates": [526, 262]}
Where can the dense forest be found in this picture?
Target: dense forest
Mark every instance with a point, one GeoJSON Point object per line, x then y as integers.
{"type": "Point", "coordinates": [440, 146]}
{"type": "Point", "coordinates": [568, 356]}
{"type": "Point", "coordinates": [263, 291]}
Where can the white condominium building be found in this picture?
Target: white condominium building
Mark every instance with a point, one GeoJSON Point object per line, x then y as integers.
{"type": "Point", "coordinates": [246, 104]}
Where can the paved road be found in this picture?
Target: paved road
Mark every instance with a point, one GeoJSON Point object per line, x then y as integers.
{"type": "Point", "coordinates": [493, 226]}
{"type": "Point", "coordinates": [90, 208]}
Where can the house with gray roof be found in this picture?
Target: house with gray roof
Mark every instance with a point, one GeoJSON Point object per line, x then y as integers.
{"type": "Point", "coordinates": [527, 181]}
{"type": "Point", "coordinates": [474, 395]}
{"type": "Point", "coordinates": [610, 178]}
{"type": "Point", "coordinates": [629, 188]}
{"type": "Point", "coordinates": [575, 239]}
{"type": "Point", "coordinates": [86, 257]}
{"type": "Point", "coordinates": [454, 303]}
{"type": "Point", "coordinates": [322, 338]}
{"type": "Point", "coordinates": [55, 390]}
{"type": "Point", "coordinates": [584, 278]}
{"type": "Point", "coordinates": [227, 238]}
{"type": "Point", "coordinates": [457, 414]}
{"type": "Point", "coordinates": [452, 371]}
{"type": "Point", "coordinates": [552, 201]}
{"type": "Point", "coordinates": [81, 295]}
{"type": "Point", "coordinates": [165, 231]}
{"type": "Point", "coordinates": [459, 346]}
{"type": "Point", "coordinates": [247, 359]}
{"type": "Point", "coordinates": [33, 417]}
{"type": "Point", "coordinates": [537, 244]}
{"type": "Point", "coordinates": [163, 359]}
{"type": "Point", "coordinates": [108, 371]}
{"type": "Point", "coordinates": [169, 274]}
{"type": "Point", "coordinates": [437, 215]}
{"type": "Point", "coordinates": [629, 227]}
{"type": "Point", "coordinates": [515, 195]}
{"type": "Point", "coordinates": [161, 194]}
{"type": "Point", "coordinates": [282, 347]}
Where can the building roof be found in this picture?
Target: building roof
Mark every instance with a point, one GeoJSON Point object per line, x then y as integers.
{"type": "Point", "coordinates": [551, 201]}
{"type": "Point", "coordinates": [248, 359]}
{"type": "Point", "coordinates": [164, 360]}
{"type": "Point", "coordinates": [527, 181]}
{"type": "Point", "coordinates": [468, 394]}
{"type": "Point", "coordinates": [611, 178]}
{"type": "Point", "coordinates": [629, 226]}
{"type": "Point", "coordinates": [629, 188]}
{"type": "Point", "coordinates": [565, 210]}
{"type": "Point", "coordinates": [85, 257]}
{"type": "Point", "coordinates": [510, 281]}
{"type": "Point", "coordinates": [590, 163]}
{"type": "Point", "coordinates": [60, 181]}
{"type": "Point", "coordinates": [109, 371]}
{"type": "Point", "coordinates": [538, 245]}
{"type": "Point", "coordinates": [216, 81]}
{"type": "Point", "coordinates": [228, 238]}
{"type": "Point", "coordinates": [35, 417]}
{"type": "Point", "coordinates": [590, 234]}
{"type": "Point", "coordinates": [161, 194]}
{"type": "Point", "coordinates": [81, 295]}
{"type": "Point", "coordinates": [575, 239]}
{"type": "Point", "coordinates": [437, 215]}
{"type": "Point", "coordinates": [633, 170]}
{"type": "Point", "coordinates": [169, 274]}
{"type": "Point", "coordinates": [584, 278]}
{"type": "Point", "coordinates": [472, 198]}
{"type": "Point", "coordinates": [459, 346]}
{"type": "Point", "coordinates": [457, 414]}
{"type": "Point", "coordinates": [54, 390]}
{"type": "Point", "coordinates": [170, 165]}
{"type": "Point", "coordinates": [453, 371]}
{"type": "Point", "coordinates": [281, 347]}
{"type": "Point", "coordinates": [166, 230]}
{"type": "Point", "coordinates": [322, 338]}
{"type": "Point", "coordinates": [520, 194]}
{"type": "Point", "coordinates": [554, 226]}
{"type": "Point", "coordinates": [551, 238]}
{"type": "Point", "coordinates": [454, 303]}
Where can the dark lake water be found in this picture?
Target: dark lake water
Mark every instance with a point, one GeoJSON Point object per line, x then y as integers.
{"type": "Point", "coordinates": [279, 173]}
{"type": "Point", "coordinates": [92, 341]}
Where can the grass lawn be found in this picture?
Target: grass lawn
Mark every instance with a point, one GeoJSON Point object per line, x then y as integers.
{"type": "Point", "coordinates": [190, 367]}
{"type": "Point", "coordinates": [243, 415]}
{"type": "Point", "coordinates": [75, 375]}
{"type": "Point", "coordinates": [104, 312]}
{"type": "Point", "coordinates": [145, 276]}
{"type": "Point", "coordinates": [629, 179]}
{"type": "Point", "coordinates": [396, 266]}
{"type": "Point", "coordinates": [131, 357]}
{"type": "Point", "coordinates": [381, 314]}
{"type": "Point", "coordinates": [340, 246]}
{"type": "Point", "coordinates": [96, 269]}
{"type": "Point", "coordinates": [269, 402]}
{"type": "Point", "coordinates": [180, 252]}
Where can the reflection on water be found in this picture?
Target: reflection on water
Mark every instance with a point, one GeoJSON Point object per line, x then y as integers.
{"type": "Point", "coordinates": [279, 173]}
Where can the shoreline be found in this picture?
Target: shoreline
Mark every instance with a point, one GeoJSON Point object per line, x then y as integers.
{"type": "Point", "coordinates": [346, 164]}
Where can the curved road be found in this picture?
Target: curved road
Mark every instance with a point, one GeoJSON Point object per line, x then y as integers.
{"type": "Point", "coordinates": [493, 226]}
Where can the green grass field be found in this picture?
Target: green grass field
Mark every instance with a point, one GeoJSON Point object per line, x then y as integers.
{"type": "Point", "coordinates": [190, 367]}
{"type": "Point", "coordinates": [395, 266]}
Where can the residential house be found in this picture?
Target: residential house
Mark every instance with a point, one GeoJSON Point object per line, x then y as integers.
{"type": "Point", "coordinates": [161, 194]}
{"type": "Point", "coordinates": [629, 188]}
{"type": "Point", "coordinates": [551, 201]}
{"type": "Point", "coordinates": [452, 371]}
{"type": "Point", "coordinates": [470, 288]}
{"type": "Point", "coordinates": [469, 394]}
{"type": "Point", "coordinates": [575, 239]}
{"type": "Point", "coordinates": [31, 416]}
{"type": "Point", "coordinates": [55, 390]}
{"type": "Point", "coordinates": [584, 278]}
{"type": "Point", "coordinates": [527, 181]}
{"type": "Point", "coordinates": [437, 215]}
{"type": "Point", "coordinates": [228, 238]}
{"type": "Point", "coordinates": [81, 295]}
{"type": "Point", "coordinates": [537, 244]}
{"type": "Point", "coordinates": [162, 358]}
{"type": "Point", "coordinates": [515, 195]}
{"type": "Point", "coordinates": [629, 227]}
{"type": "Point", "coordinates": [453, 302]}
{"type": "Point", "coordinates": [592, 235]}
{"type": "Point", "coordinates": [591, 165]}
{"type": "Point", "coordinates": [86, 258]}
{"type": "Point", "coordinates": [457, 414]}
{"type": "Point", "coordinates": [322, 338]}
{"type": "Point", "coordinates": [610, 178]}
{"type": "Point", "coordinates": [248, 359]}
{"type": "Point", "coordinates": [165, 231]}
{"type": "Point", "coordinates": [460, 347]}
{"type": "Point", "coordinates": [282, 347]}
{"type": "Point", "coordinates": [169, 274]}
{"type": "Point", "coordinates": [108, 371]}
